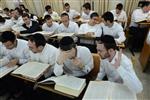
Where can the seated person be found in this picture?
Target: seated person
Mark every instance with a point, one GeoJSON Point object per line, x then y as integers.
{"type": "Point", "coordinates": [115, 65]}
{"type": "Point", "coordinates": [49, 25]}
{"type": "Point", "coordinates": [16, 49]}
{"type": "Point", "coordinates": [148, 38]}
{"type": "Point", "coordinates": [32, 16]}
{"type": "Point", "coordinates": [29, 25]}
{"type": "Point", "coordinates": [73, 60]}
{"type": "Point", "coordinates": [86, 12]}
{"type": "Point", "coordinates": [42, 52]}
{"type": "Point", "coordinates": [73, 14]}
{"type": "Point", "coordinates": [109, 27]}
{"type": "Point", "coordinates": [3, 53]}
{"type": "Point", "coordinates": [120, 15]}
{"type": "Point", "coordinates": [7, 13]}
{"type": "Point", "coordinates": [91, 28]}
{"type": "Point", "coordinates": [139, 32]}
{"type": "Point", "coordinates": [53, 14]}
{"type": "Point", "coordinates": [5, 24]}
{"type": "Point", "coordinates": [67, 26]}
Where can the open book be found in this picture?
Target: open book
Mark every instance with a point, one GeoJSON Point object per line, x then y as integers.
{"type": "Point", "coordinates": [67, 84]}
{"type": "Point", "coordinates": [31, 70]}
{"type": "Point", "coordinates": [6, 70]}
{"type": "Point", "coordinates": [105, 90]}
{"type": "Point", "coordinates": [61, 35]}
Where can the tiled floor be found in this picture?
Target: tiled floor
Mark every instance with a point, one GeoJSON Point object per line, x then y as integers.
{"type": "Point", "coordinates": [144, 77]}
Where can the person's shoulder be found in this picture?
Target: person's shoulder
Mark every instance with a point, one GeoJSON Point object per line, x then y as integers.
{"type": "Point", "coordinates": [51, 47]}
{"type": "Point", "coordinates": [83, 48]}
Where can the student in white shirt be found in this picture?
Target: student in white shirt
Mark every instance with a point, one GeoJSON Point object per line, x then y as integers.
{"type": "Point", "coordinates": [120, 15]}
{"type": "Point", "coordinates": [16, 49]}
{"type": "Point", "coordinates": [91, 28]}
{"type": "Point", "coordinates": [5, 24]}
{"type": "Point", "coordinates": [53, 14]}
{"type": "Point", "coordinates": [109, 27]}
{"type": "Point", "coordinates": [67, 26]}
{"type": "Point", "coordinates": [71, 12]}
{"type": "Point", "coordinates": [115, 65]}
{"type": "Point", "coordinates": [139, 32]}
{"type": "Point", "coordinates": [86, 12]}
{"type": "Point", "coordinates": [73, 60]}
{"type": "Point", "coordinates": [42, 52]}
{"type": "Point", "coordinates": [49, 25]}
{"type": "Point", "coordinates": [148, 38]}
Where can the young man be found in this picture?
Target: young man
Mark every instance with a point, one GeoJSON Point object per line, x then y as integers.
{"type": "Point", "coordinates": [53, 14]}
{"type": "Point", "coordinates": [17, 49]}
{"type": "Point", "coordinates": [86, 12]}
{"type": "Point", "coordinates": [120, 15]}
{"type": "Point", "coordinates": [115, 65]}
{"type": "Point", "coordinates": [71, 12]}
{"type": "Point", "coordinates": [137, 31]}
{"type": "Point", "coordinates": [91, 28]}
{"type": "Point", "coordinates": [109, 27]}
{"type": "Point", "coordinates": [5, 24]}
{"type": "Point", "coordinates": [49, 25]}
{"type": "Point", "coordinates": [67, 26]}
{"type": "Point", "coordinates": [29, 25]}
{"type": "Point", "coordinates": [73, 60]}
{"type": "Point", "coordinates": [42, 52]}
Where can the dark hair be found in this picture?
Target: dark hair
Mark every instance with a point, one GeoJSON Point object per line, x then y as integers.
{"type": "Point", "coordinates": [87, 6]}
{"type": "Point", "coordinates": [108, 16]}
{"type": "Point", "coordinates": [2, 20]}
{"type": "Point", "coordinates": [6, 9]}
{"type": "Point", "coordinates": [47, 17]}
{"type": "Point", "coordinates": [66, 4]}
{"type": "Point", "coordinates": [21, 5]}
{"type": "Point", "coordinates": [94, 14]}
{"type": "Point", "coordinates": [145, 3]}
{"type": "Point", "coordinates": [67, 43]}
{"type": "Point", "coordinates": [119, 6]}
{"type": "Point", "coordinates": [7, 36]}
{"type": "Point", "coordinates": [11, 10]}
{"type": "Point", "coordinates": [19, 11]}
{"type": "Point", "coordinates": [48, 7]}
{"type": "Point", "coordinates": [26, 10]}
{"type": "Point", "coordinates": [26, 15]}
{"type": "Point", "coordinates": [38, 38]}
{"type": "Point", "coordinates": [108, 41]}
{"type": "Point", "coordinates": [64, 14]}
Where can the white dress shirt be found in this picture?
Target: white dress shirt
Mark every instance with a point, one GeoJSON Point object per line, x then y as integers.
{"type": "Point", "coordinates": [85, 16]}
{"type": "Point", "coordinates": [96, 29]}
{"type": "Point", "coordinates": [48, 56]}
{"type": "Point", "coordinates": [124, 74]}
{"type": "Point", "coordinates": [122, 16]}
{"type": "Point", "coordinates": [72, 28]}
{"type": "Point", "coordinates": [138, 15]}
{"type": "Point", "coordinates": [54, 15]}
{"type": "Point", "coordinates": [148, 38]}
{"type": "Point", "coordinates": [116, 31]}
{"type": "Point", "coordinates": [68, 67]}
{"type": "Point", "coordinates": [72, 13]}
{"type": "Point", "coordinates": [52, 28]}
{"type": "Point", "coordinates": [19, 52]}
{"type": "Point", "coordinates": [6, 26]}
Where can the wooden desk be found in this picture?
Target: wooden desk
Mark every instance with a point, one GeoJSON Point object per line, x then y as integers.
{"type": "Point", "coordinates": [145, 55]}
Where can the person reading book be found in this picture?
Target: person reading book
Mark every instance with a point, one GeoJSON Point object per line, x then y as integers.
{"type": "Point", "coordinates": [42, 52]}
{"type": "Point", "coordinates": [115, 65]}
{"type": "Point", "coordinates": [73, 60]}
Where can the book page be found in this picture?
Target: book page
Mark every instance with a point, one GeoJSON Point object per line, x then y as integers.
{"type": "Point", "coordinates": [106, 90]}
{"type": "Point", "coordinates": [6, 70]}
{"type": "Point", "coordinates": [32, 70]}
{"type": "Point", "coordinates": [62, 34]}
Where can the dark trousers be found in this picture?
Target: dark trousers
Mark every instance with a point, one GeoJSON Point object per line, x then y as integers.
{"type": "Point", "coordinates": [137, 38]}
